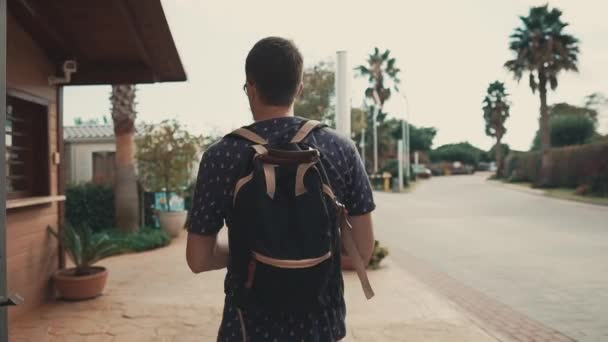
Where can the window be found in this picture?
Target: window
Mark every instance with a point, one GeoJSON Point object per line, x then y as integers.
{"type": "Point", "coordinates": [27, 147]}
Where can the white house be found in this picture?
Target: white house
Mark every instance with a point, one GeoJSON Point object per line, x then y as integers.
{"type": "Point", "coordinates": [89, 153]}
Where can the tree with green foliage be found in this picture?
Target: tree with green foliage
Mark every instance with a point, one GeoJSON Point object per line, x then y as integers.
{"type": "Point", "coordinates": [543, 50]}
{"type": "Point", "coordinates": [79, 121]}
{"type": "Point", "coordinates": [462, 152]}
{"type": "Point", "coordinates": [495, 113]}
{"type": "Point", "coordinates": [382, 75]}
{"type": "Point", "coordinates": [596, 101]}
{"type": "Point", "coordinates": [567, 130]}
{"type": "Point", "coordinates": [166, 154]}
{"type": "Point", "coordinates": [564, 108]}
{"type": "Point", "coordinates": [421, 138]}
{"type": "Point", "coordinates": [317, 94]}
{"type": "Point", "coordinates": [491, 154]}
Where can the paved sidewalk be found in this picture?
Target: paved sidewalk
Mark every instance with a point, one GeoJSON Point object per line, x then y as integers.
{"type": "Point", "coordinates": [152, 296]}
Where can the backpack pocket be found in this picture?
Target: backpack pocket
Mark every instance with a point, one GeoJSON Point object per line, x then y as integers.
{"type": "Point", "coordinates": [289, 285]}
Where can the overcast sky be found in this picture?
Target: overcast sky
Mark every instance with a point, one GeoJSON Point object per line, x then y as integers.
{"type": "Point", "coordinates": [448, 52]}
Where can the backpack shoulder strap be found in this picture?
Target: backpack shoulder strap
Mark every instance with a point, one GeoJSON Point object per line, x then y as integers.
{"type": "Point", "coordinates": [305, 129]}
{"type": "Point", "coordinates": [348, 241]}
{"type": "Point", "coordinates": [249, 135]}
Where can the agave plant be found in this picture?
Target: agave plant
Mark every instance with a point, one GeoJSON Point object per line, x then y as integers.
{"type": "Point", "coordinates": [85, 248]}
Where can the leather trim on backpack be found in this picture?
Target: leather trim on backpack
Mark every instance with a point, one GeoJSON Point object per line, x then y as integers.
{"type": "Point", "coordinates": [280, 263]}
{"type": "Point", "coordinates": [329, 192]}
{"type": "Point", "coordinates": [305, 130]}
{"type": "Point", "coordinates": [239, 184]}
{"type": "Point", "coordinates": [259, 149]}
{"type": "Point", "coordinates": [249, 135]}
{"type": "Point", "coordinates": [270, 179]}
{"type": "Point", "coordinates": [300, 172]}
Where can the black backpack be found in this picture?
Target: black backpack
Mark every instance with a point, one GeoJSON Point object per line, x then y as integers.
{"type": "Point", "coordinates": [284, 226]}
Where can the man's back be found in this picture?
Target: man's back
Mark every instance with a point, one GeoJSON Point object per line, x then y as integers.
{"type": "Point", "coordinates": [217, 178]}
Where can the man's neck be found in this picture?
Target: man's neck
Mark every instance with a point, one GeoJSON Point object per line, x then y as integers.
{"type": "Point", "coordinates": [272, 112]}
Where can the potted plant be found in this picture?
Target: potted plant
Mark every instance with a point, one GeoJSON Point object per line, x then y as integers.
{"type": "Point", "coordinates": [166, 155]}
{"type": "Point", "coordinates": [84, 248]}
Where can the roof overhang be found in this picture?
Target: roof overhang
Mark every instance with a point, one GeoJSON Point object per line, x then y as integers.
{"type": "Point", "coordinates": [113, 41]}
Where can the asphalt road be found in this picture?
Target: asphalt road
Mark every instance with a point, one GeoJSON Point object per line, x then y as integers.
{"type": "Point", "coordinates": [544, 257]}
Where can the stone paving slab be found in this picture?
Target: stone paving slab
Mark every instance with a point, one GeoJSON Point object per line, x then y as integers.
{"type": "Point", "coordinates": [152, 296]}
{"type": "Point", "coordinates": [500, 320]}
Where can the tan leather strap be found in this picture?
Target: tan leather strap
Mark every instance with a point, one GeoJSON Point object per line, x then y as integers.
{"type": "Point", "coordinates": [329, 192]}
{"type": "Point", "coordinates": [249, 135]}
{"type": "Point", "coordinates": [353, 252]}
{"type": "Point", "coordinates": [300, 172]}
{"type": "Point", "coordinates": [305, 130]}
{"type": "Point", "coordinates": [280, 263]}
{"type": "Point", "coordinates": [239, 184]}
{"type": "Point", "coordinates": [242, 322]}
{"type": "Point", "coordinates": [270, 178]}
{"type": "Point", "coordinates": [348, 241]}
{"type": "Point", "coordinates": [259, 149]}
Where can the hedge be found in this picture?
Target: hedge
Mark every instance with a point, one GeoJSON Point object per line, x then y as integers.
{"type": "Point", "coordinates": [573, 166]}
{"type": "Point", "coordinates": [90, 204]}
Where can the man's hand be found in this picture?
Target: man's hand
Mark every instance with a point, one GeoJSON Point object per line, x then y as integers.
{"type": "Point", "coordinates": [204, 253]}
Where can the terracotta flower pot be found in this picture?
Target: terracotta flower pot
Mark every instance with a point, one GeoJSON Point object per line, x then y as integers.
{"type": "Point", "coordinates": [72, 287]}
{"type": "Point", "coordinates": [173, 221]}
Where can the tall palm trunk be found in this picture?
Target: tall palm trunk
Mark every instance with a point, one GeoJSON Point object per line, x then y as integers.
{"type": "Point", "coordinates": [499, 157]}
{"type": "Point", "coordinates": [125, 187]}
{"type": "Point", "coordinates": [545, 130]}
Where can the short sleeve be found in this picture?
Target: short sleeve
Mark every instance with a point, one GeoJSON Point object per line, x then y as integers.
{"type": "Point", "coordinates": [212, 186]}
{"type": "Point", "coordinates": [359, 198]}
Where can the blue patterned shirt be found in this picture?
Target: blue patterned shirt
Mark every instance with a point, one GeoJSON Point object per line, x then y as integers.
{"type": "Point", "coordinates": [216, 181]}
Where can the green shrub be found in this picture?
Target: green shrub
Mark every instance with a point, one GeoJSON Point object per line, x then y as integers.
{"type": "Point", "coordinates": [568, 130]}
{"type": "Point", "coordinates": [377, 256]}
{"type": "Point", "coordinates": [90, 205]}
{"type": "Point", "coordinates": [142, 240]}
{"type": "Point", "coordinates": [572, 166]}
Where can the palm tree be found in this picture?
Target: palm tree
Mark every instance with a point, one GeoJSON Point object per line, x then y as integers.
{"type": "Point", "coordinates": [543, 49]}
{"type": "Point", "coordinates": [495, 113]}
{"type": "Point", "coordinates": [125, 187]}
{"type": "Point", "coordinates": [380, 68]}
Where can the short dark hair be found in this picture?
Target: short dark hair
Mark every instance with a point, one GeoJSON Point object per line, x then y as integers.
{"type": "Point", "coordinates": [274, 66]}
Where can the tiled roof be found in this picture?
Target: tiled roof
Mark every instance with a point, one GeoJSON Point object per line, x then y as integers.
{"type": "Point", "coordinates": [88, 132]}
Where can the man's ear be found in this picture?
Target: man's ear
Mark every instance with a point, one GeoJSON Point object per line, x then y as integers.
{"type": "Point", "coordinates": [300, 90]}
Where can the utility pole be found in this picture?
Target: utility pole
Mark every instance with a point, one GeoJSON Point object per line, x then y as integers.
{"type": "Point", "coordinates": [405, 133]}
{"type": "Point", "coordinates": [342, 94]}
{"type": "Point", "coordinates": [375, 124]}
{"type": "Point", "coordinates": [362, 145]}
{"type": "Point", "coordinates": [400, 159]}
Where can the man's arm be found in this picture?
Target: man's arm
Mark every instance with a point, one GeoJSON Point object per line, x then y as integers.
{"type": "Point", "coordinates": [363, 234]}
{"type": "Point", "coordinates": [204, 253]}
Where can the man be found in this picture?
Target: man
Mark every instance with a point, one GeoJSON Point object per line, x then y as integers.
{"type": "Point", "coordinates": [274, 69]}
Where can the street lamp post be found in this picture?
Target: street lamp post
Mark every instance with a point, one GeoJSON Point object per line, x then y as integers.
{"type": "Point", "coordinates": [362, 145]}
{"type": "Point", "coordinates": [400, 159]}
{"type": "Point", "coordinates": [375, 130]}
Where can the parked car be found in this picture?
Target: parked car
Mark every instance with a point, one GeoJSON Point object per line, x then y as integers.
{"type": "Point", "coordinates": [420, 170]}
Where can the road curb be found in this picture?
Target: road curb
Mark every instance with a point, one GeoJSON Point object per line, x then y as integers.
{"type": "Point", "coordinates": [543, 193]}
